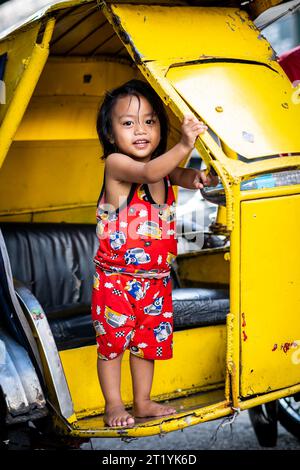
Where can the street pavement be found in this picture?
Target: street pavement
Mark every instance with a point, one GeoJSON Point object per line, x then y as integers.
{"type": "Point", "coordinates": [213, 435]}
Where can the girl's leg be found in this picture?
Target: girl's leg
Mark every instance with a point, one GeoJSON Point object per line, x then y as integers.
{"type": "Point", "coordinates": [142, 377]}
{"type": "Point", "coordinates": [109, 373]}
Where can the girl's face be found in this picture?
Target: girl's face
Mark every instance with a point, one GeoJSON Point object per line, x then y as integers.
{"type": "Point", "coordinates": [135, 127]}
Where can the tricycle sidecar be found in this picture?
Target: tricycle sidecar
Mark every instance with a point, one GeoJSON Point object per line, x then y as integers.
{"type": "Point", "coordinates": [236, 306]}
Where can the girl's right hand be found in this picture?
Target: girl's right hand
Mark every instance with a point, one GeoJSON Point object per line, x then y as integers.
{"type": "Point", "coordinates": [190, 129]}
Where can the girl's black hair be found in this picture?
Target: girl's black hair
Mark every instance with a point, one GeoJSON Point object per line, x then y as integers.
{"type": "Point", "coordinates": [132, 88]}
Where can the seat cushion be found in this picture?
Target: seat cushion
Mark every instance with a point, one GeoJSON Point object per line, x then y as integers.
{"type": "Point", "coordinates": [55, 261]}
{"type": "Point", "coordinates": [193, 307]}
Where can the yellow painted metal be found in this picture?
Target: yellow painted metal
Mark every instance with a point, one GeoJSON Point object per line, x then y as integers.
{"type": "Point", "coordinates": [198, 364]}
{"type": "Point", "coordinates": [34, 65]}
{"type": "Point", "coordinates": [247, 94]}
{"type": "Point", "coordinates": [190, 411]}
{"type": "Point", "coordinates": [233, 351]}
{"type": "Point", "coordinates": [156, 34]}
{"type": "Point", "coordinates": [271, 396]}
{"type": "Point", "coordinates": [270, 294]}
{"type": "Point", "coordinates": [71, 103]}
{"type": "Point", "coordinates": [269, 192]}
{"type": "Point", "coordinates": [205, 267]}
{"type": "Point", "coordinates": [19, 49]}
{"type": "Point", "coordinates": [58, 131]}
{"type": "Point", "coordinates": [78, 164]}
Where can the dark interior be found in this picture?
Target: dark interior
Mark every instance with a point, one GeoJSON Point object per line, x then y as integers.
{"type": "Point", "coordinates": [55, 261]}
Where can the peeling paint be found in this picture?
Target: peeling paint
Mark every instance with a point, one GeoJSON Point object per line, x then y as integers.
{"type": "Point", "coordinates": [37, 314]}
{"type": "Point", "coordinates": [230, 26]}
{"type": "Point", "coordinates": [188, 419]}
{"type": "Point", "coordinates": [286, 347]}
{"type": "Point", "coordinates": [245, 337]}
{"type": "Point", "coordinates": [124, 36]}
{"type": "Point", "coordinates": [244, 320]}
{"type": "Point", "coordinates": [230, 16]}
{"type": "Point", "coordinates": [240, 16]}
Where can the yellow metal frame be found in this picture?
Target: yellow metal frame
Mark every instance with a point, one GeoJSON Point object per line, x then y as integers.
{"type": "Point", "coordinates": [24, 91]}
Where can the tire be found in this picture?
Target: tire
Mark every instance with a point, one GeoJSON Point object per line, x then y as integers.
{"type": "Point", "coordinates": [264, 422]}
{"type": "Point", "coordinates": [18, 437]}
{"type": "Point", "coordinates": [289, 414]}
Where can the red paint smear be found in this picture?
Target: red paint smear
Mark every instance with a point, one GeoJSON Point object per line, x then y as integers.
{"type": "Point", "coordinates": [244, 320]}
{"type": "Point", "coordinates": [286, 346]}
{"type": "Point", "coordinates": [274, 347]}
{"type": "Point", "coordinates": [245, 337]}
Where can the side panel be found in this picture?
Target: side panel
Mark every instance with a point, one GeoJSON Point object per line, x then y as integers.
{"type": "Point", "coordinates": [270, 294]}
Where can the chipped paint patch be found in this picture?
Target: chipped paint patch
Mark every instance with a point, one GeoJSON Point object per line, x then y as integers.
{"type": "Point", "coordinates": [188, 419]}
{"type": "Point", "coordinates": [245, 337]}
{"type": "Point", "coordinates": [285, 347]}
{"type": "Point", "coordinates": [37, 314]}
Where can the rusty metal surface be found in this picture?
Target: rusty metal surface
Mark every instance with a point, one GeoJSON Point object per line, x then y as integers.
{"type": "Point", "coordinates": [19, 382]}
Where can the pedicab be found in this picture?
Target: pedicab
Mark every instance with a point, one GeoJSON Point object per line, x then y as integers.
{"type": "Point", "coordinates": [236, 305]}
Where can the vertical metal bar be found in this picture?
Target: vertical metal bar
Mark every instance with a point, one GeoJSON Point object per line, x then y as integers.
{"type": "Point", "coordinates": [235, 272]}
{"type": "Point", "coordinates": [24, 91]}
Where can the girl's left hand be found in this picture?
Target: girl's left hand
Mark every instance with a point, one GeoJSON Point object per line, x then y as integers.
{"type": "Point", "coordinates": [202, 179]}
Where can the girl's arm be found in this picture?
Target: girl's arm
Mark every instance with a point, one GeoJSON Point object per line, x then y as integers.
{"type": "Point", "coordinates": [124, 168]}
{"type": "Point", "coordinates": [192, 179]}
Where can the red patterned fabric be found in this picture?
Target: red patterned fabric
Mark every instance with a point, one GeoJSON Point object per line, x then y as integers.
{"type": "Point", "coordinates": [139, 237]}
{"type": "Point", "coordinates": [134, 314]}
{"type": "Point", "coordinates": [132, 294]}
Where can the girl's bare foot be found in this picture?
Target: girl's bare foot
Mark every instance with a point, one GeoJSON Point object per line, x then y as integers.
{"type": "Point", "coordinates": [117, 416]}
{"type": "Point", "coordinates": [147, 408]}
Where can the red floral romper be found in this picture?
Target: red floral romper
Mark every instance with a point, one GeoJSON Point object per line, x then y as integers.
{"type": "Point", "coordinates": [132, 292]}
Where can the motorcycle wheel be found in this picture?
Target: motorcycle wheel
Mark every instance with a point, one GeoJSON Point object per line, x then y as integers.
{"type": "Point", "coordinates": [289, 414]}
{"type": "Point", "coordinates": [264, 422]}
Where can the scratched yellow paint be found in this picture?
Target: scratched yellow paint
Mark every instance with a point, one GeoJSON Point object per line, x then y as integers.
{"type": "Point", "coordinates": [270, 294]}
{"type": "Point", "coordinates": [241, 99]}
{"type": "Point", "coordinates": [183, 33]}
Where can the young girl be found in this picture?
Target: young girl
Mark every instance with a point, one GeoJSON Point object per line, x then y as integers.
{"type": "Point", "coordinates": [132, 298]}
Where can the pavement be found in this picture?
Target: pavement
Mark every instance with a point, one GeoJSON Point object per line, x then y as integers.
{"type": "Point", "coordinates": [213, 435]}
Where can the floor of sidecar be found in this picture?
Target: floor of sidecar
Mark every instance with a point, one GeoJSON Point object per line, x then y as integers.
{"type": "Point", "coordinates": [191, 410]}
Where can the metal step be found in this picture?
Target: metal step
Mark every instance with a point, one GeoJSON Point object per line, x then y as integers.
{"type": "Point", "coordinates": [191, 410]}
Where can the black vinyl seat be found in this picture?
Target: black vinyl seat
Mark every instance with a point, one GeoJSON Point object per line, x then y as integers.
{"type": "Point", "coordinates": [55, 262]}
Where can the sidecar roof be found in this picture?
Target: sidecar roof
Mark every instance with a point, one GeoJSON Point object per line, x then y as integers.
{"type": "Point", "coordinates": [76, 6]}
